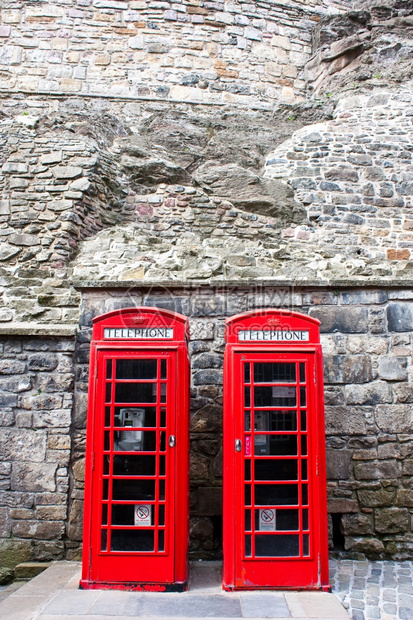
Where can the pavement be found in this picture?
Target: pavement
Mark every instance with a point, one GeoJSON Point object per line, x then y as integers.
{"type": "Point", "coordinates": [361, 590]}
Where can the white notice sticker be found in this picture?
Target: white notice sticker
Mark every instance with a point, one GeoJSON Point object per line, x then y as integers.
{"type": "Point", "coordinates": [267, 520]}
{"type": "Point", "coordinates": [143, 514]}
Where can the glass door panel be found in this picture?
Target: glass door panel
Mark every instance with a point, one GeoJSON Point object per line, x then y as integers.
{"type": "Point", "coordinates": [275, 443]}
{"type": "Point", "coordinates": [134, 506]}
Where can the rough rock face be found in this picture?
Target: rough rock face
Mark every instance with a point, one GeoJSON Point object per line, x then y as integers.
{"type": "Point", "coordinates": [368, 46]}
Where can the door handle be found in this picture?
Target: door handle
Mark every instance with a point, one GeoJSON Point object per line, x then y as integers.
{"type": "Point", "coordinates": [238, 445]}
{"type": "Point", "coordinates": [171, 441]}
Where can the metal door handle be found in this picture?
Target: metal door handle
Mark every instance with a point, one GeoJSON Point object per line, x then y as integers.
{"type": "Point", "coordinates": [238, 445]}
{"type": "Point", "coordinates": [171, 441]}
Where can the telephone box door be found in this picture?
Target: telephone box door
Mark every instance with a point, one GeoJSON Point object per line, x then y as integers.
{"type": "Point", "coordinates": [274, 453]}
{"type": "Point", "coordinates": [133, 524]}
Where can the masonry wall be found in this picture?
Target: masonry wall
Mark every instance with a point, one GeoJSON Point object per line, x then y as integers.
{"type": "Point", "coordinates": [183, 50]}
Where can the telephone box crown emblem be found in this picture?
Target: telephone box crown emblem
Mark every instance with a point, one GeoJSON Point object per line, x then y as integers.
{"type": "Point", "coordinates": [274, 322]}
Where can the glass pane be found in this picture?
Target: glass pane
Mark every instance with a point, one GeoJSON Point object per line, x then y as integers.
{"type": "Point", "coordinates": [106, 440]}
{"type": "Point", "coordinates": [135, 441]}
{"type": "Point", "coordinates": [161, 465]}
{"type": "Point", "coordinates": [104, 514]}
{"type": "Point", "coordinates": [287, 520]}
{"type": "Point", "coordinates": [304, 445]}
{"type": "Point", "coordinates": [161, 516]}
{"type": "Point", "coordinates": [275, 396]}
{"type": "Point", "coordinates": [247, 374]}
{"type": "Point", "coordinates": [284, 545]}
{"type": "Point", "coordinates": [276, 494]}
{"type": "Point", "coordinates": [161, 540]}
{"type": "Point", "coordinates": [282, 420]}
{"type": "Point", "coordinates": [133, 489]}
{"type": "Point", "coordinates": [106, 462]}
{"type": "Point", "coordinates": [304, 488]}
{"type": "Point", "coordinates": [275, 445]}
{"type": "Point", "coordinates": [136, 369]}
{"type": "Point", "coordinates": [304, 470]}
{"type": "Point", "coordinates": [303, 420]}
{"type": "Point", "coordinates": [302, 372]}
{"type": "Point", "coordinates": [108, 395]}
{"type": "Point", "coordinates": [163, 392]}
{"type": "Point", "coordinates": [105, 489]}
{"type": "Point", "coordinates": [131, 465]}
{"type": "Point", "coordinates": [247, 397]}
{"type": "Point", "coordinates": [131, 514]}
{"type": "Point", "coordinates": [163, 417]}
{"type": "Point", "coordinates": [132, 540]}
{"type": "Point", "coordinates": [138, 417]}
{"type": "Point", "coordinates": [305, 519]}
{"type": "Point", "coordinates": [162, 490]}
{"type": "Point", "coordinates": [248, 520]}
{"type": "Point", "coordinates": [104, 540]}
{"type": "Point", "coordinates": [163, 369]}
{"type": "Point", "coordinates": [247, 420]}
{"type": "Point", "coordinates": [281, 469]}
{"type": "Point", "coordinates": [274, 372]}
{"type": "Point", "coordinates": [107, 416]}
{"type": "Point", "coordinates": [163, 442]}
{"type": "Point", "coordinates": [303, 396]}
{"type": "Point", "coordinates": [306, 544]}
{"type": "Point", "coordinates": [109, 369]}
{"type": "Point", "coordinates": [248, 495]}
{"type": "Point", "coordinates": [135, 392]}
{"type": "Point", "coordinates": [248, 470]}
{"type": "Point", "coordinates": [248, 545]}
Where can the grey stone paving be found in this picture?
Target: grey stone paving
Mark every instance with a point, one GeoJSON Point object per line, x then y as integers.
{"type": "Point", "coordinates": [374, 590]}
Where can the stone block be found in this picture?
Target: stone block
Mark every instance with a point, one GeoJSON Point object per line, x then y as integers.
{"type": "Point", "coordinates": [342, 505]}
{"type": "Point", "coordinates": [394, 418]}
{"type": "Point", "coordinates": [391, 520]}
{"type": "Point", "coordinates": [12, 552]}
{"type": "Point", "coordinates": [202, 330]}
{"type": "Point", "coordinates": [205, 377]}
{"type": "Point", "coordinates": [24, 239]}
{"type": "Point", "coordinates": [348, 320]}
{"type": "Point", "coordinates": [338, 464]}
{"type": "Point", "coordinates": [207, 420]}
{"type": "Point", "coordinates": [357, 524]}
{"type": "Point", "coordinates": [75, 525]}
{"type": "Point", "coordinates": [210, 501]}
{"type": "Point", "coordinates": [10, 55]}
{"type": "Point", "coordinates": [347, 369]}
{"type": "Point", "coordinates": [207, 360]}
{"type": "Point", "coordinates": [40, 530]}
{"type": "Point", "coordinates": [333, 395]}
{"type": "Point", "coordinates": [42, 361]}
{"type": "Point", "coordinates": [369, 470]}
{"type": "Point", "coordinates": [28, 570]}
{"type": "Point", "coordinates": [371, 498]}
{"type": "Point", "coordinates": [368, 394]}
{"type": "Point", "coordinates": [393, 368]}
{"type": "Point", "coordinates": [201, 529]}
{"type": "Point", "coordinates": [33, 477]}
{"type": "Point", "coordinates": [23, 444]}
{"type": "Point", "coordinates": [364, 545]}
{"type": "Point", "coordinates": [400, 317]}
{"type": "Point", "coordinates": [5, 522]}
{"type": "Point", "coordinates": [347, 420]}
{"type": "Point", "coordinates": [199, 467]}
{"type": "Point", "coordinates": [404, 497]}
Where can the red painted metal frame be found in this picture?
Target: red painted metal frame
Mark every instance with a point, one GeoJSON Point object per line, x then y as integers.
{"type": "Point", "coordinates": [139, 570]}
{"type": "Point", "coordinates": [239, 571]}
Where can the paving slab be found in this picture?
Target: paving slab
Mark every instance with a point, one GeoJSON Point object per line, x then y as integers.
{"type": "Point", "coordinates": [55, 595]}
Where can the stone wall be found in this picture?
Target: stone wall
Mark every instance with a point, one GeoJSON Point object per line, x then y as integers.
{"type": "Point", "coordinates": [367, 344]}
{"type": "Point", "coordinates": [36, 398]}
{"type": "Point", "coordinates": [184, 50]}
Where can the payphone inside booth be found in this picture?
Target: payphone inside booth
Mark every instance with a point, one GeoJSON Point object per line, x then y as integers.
{"type": "Point", "coordinates": [275, 506]}
{"type": "Point", "coordinates": [136, 481]}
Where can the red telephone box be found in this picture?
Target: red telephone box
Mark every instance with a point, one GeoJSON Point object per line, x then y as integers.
{"type": "Point", "coordinates": [136, 487]}
{"type": "Point", "coordinates": [275, 506]}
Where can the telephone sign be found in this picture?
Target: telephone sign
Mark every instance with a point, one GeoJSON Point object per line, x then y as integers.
{"type": "Point", "coordinates": [136, 486]}
{"type": "Point", "coordinates": [275, 507]}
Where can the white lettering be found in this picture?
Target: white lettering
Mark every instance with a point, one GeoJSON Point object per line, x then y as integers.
{"type": "Point", "coordinates": [279, 335]}
{"type": "Point", "coordinates": [141, 333]}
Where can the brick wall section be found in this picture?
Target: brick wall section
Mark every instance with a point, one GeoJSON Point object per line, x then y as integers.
{"type": "Point", "coordinates": [184, 50]}
{"type": "Point", "coordinates": [367, 343]}
{"type": "Point", "coordinates": [36, 398]}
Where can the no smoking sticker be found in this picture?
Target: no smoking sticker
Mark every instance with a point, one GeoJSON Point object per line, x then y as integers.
{"type": "Point", "coordinates": [143, 514]}
{"type": "Point", "coordinates": [267, 519]}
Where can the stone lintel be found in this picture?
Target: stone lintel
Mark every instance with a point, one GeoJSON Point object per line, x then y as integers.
{"type": "Point", "coordinates": [38, 329]}
{"type": "Point", "coordinates": [381, 283]}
